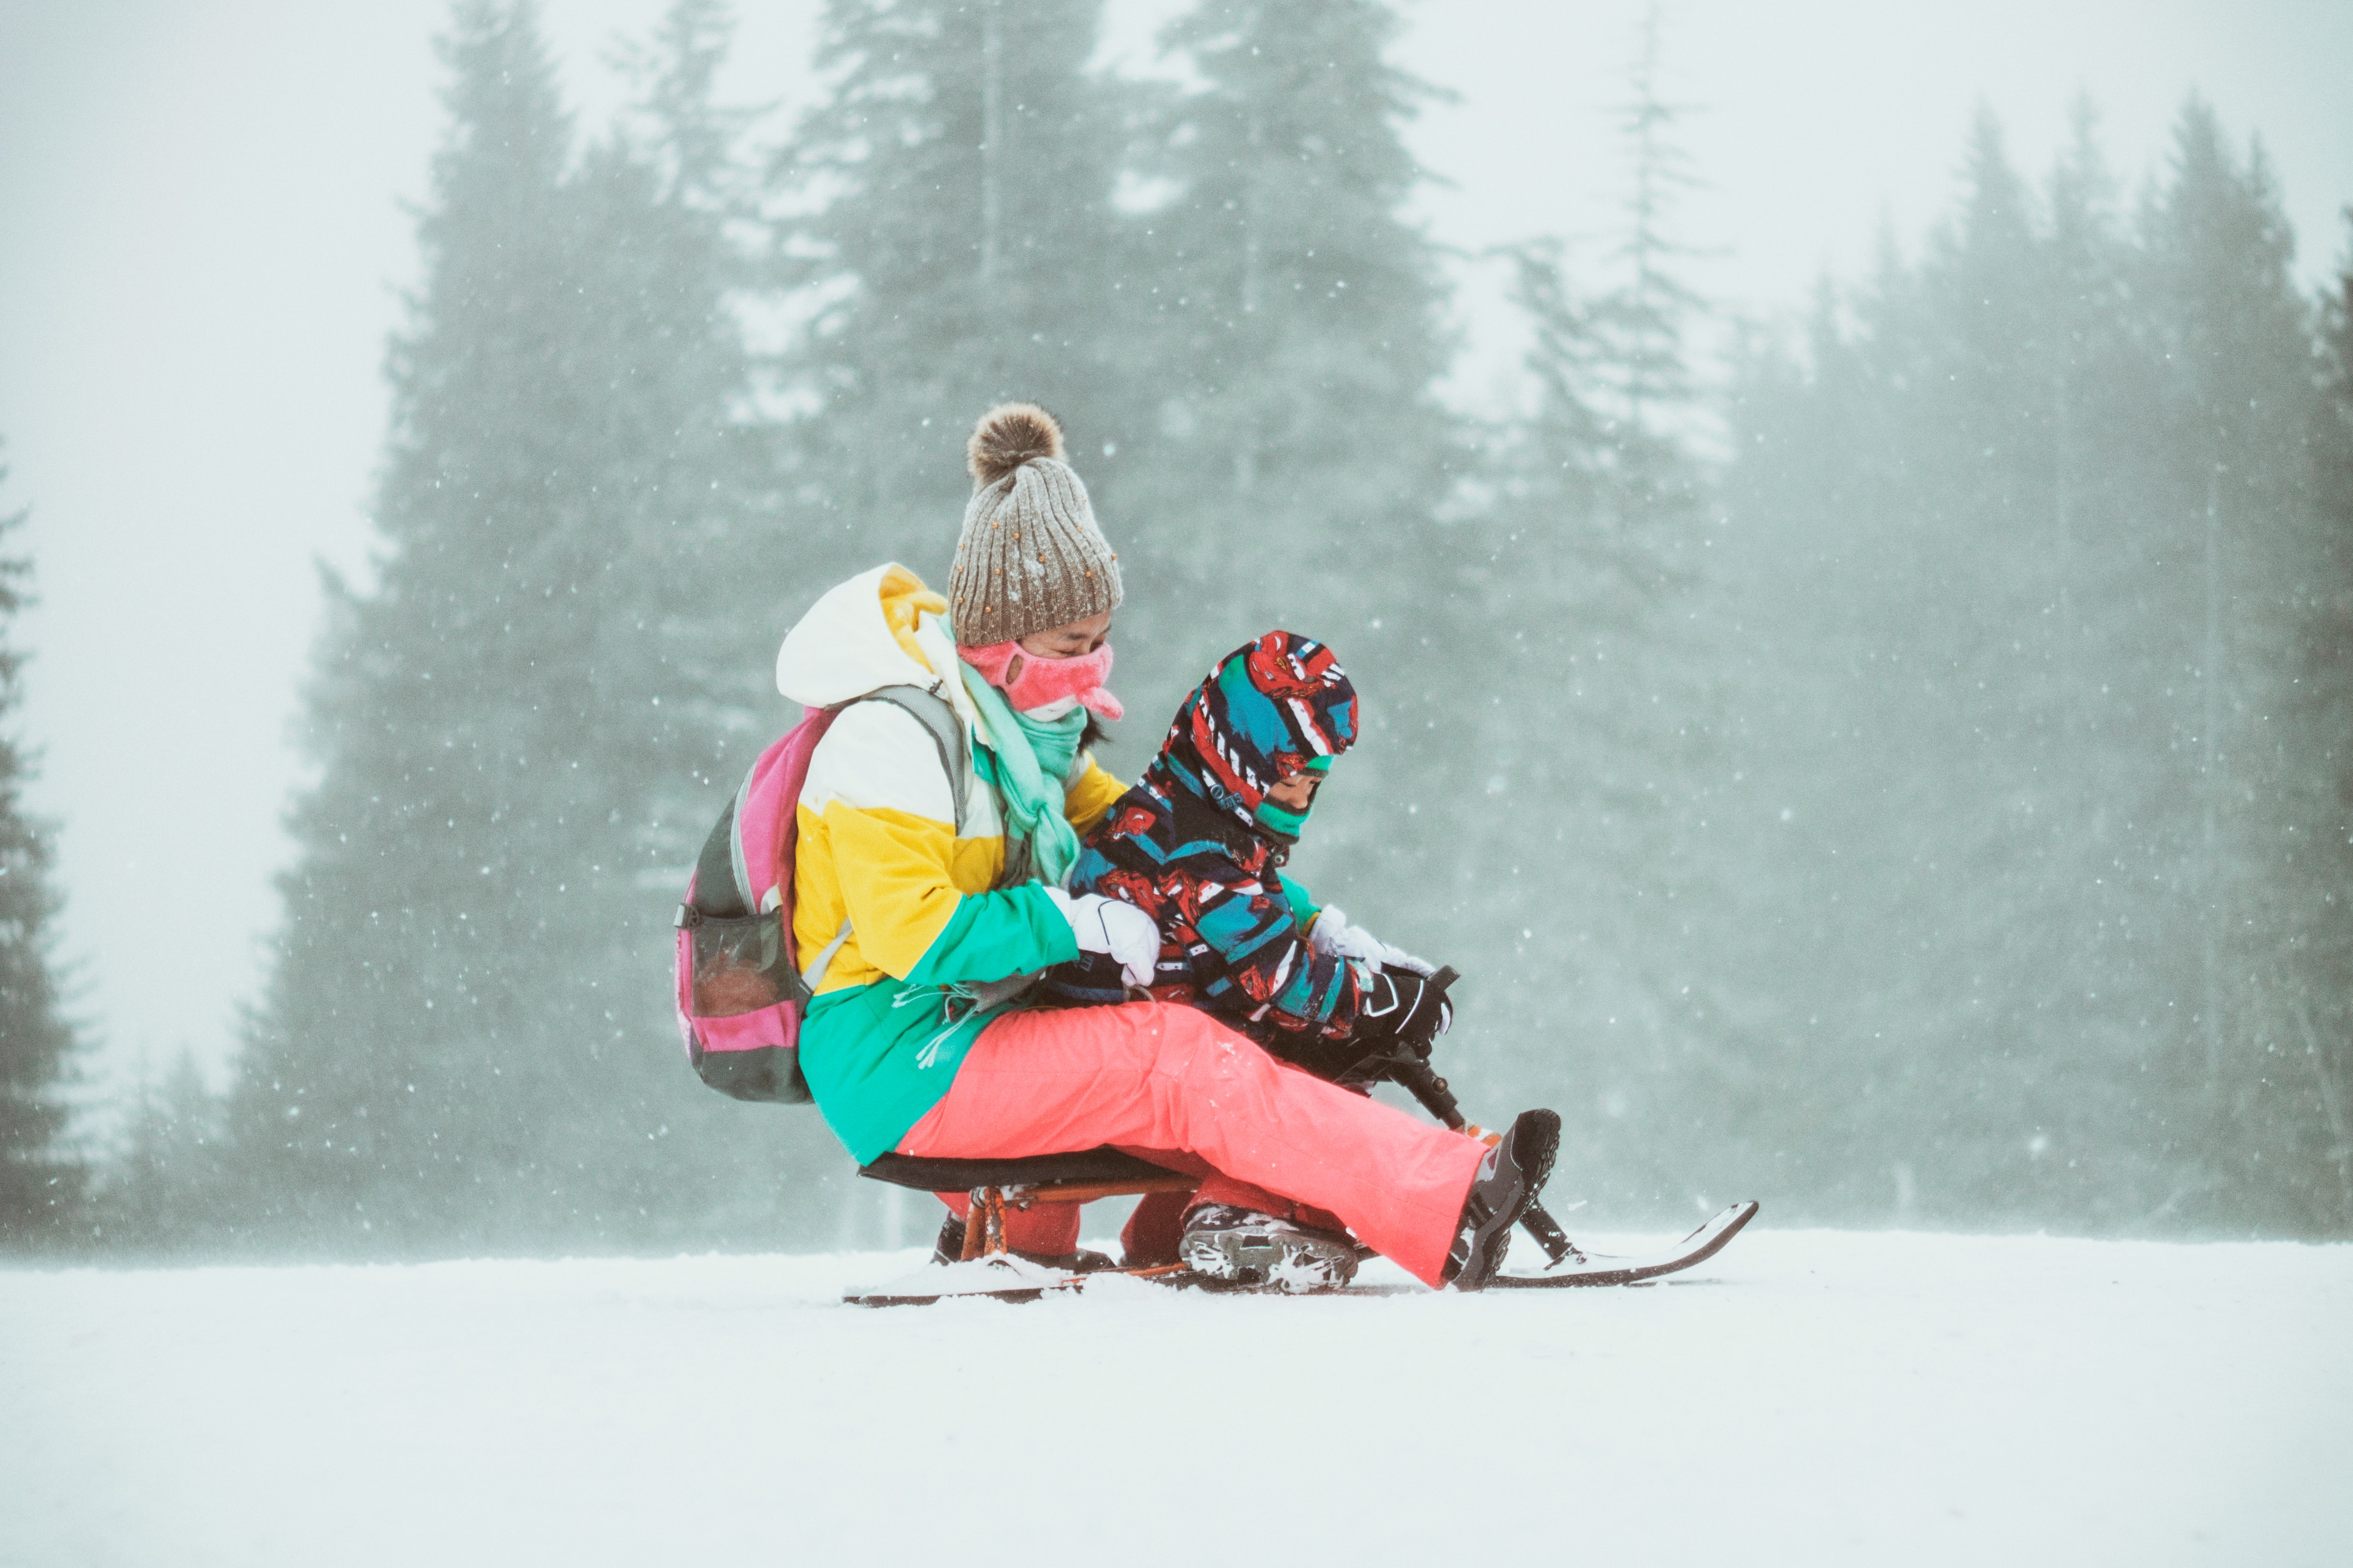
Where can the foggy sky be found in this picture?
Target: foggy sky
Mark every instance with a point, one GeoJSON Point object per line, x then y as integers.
{"type": "Point", "coordinates": [202, 240]}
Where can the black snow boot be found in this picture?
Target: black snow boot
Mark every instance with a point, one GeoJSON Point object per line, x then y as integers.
{"type": "Point", "coordinates": [1509, 1179]}
{"type": "Point", "coordinates": [1241, 1246]}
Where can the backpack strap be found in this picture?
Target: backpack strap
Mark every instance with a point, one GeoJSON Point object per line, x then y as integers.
{"type": "Point", "coordinates": [719, 878]}
{"type": "Point", "coordinates": [935, 714]}
{"type": "Point", "coordinates": [939, 720]}
{"type": "Point", "coordinates": [824, 961]}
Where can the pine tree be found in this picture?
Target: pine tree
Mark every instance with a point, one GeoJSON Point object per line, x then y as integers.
{"type": "Point", "coordinates": [677, 697]}
{"type": "Point", "coordinates": [162, 1189]}
{"type": "Point", "coordinates": [1646, 320]}
{"type": "Point", "coordinates": [2315, 996]}
{"type": "Point", "coordinates": [390, 1019]}
{"type": "Point", "coordinates": [465, 1033]}
{"type": "Point", "coordinates": [954, 243]}
{"type": "Point", "coordinates": [2235, 415]}
{"type": "Point", "coordinates": [1978, 323]}
{"type": "Point", "coordinates": [1606, 745]}
{"type": "Point", "coordinates": [2092, 351]}
{"type": "Point", "coordinates": [40, 1183]}
{"type": "Point", "coordinates": [1296, 459]}
{"type": "Point", "coordinates": [1299, 450]}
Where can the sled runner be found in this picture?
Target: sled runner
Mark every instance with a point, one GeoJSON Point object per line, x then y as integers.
{"type": "Point", "coordinates": [988, 1271]}
{"type": "Point", "coordinates": [1596, 1269]}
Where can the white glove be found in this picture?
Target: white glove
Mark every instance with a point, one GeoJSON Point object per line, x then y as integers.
{"type": "Point", "coordinates": [1332, 934]}
{"type": "Point", "coordinates": [1106, 925]}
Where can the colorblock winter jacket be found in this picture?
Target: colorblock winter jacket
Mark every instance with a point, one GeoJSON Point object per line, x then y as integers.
{"type": "Point", "coordinates": [879, 845]}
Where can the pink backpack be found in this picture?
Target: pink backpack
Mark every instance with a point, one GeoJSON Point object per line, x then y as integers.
{"type": "Point", "coordinates": [741, 987]}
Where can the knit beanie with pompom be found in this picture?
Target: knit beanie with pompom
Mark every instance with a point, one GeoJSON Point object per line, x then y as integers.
{"type": "Point", "coordinates": [1030, 557]}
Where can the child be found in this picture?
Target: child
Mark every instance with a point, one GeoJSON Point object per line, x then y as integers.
{"type": "Point", "coordinates": [1199, 844]}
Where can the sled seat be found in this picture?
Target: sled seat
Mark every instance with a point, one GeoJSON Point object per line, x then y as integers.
{"type": "Point", "coordinates": [999, 1184]}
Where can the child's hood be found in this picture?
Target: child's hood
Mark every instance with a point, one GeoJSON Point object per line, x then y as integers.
{"type": "Point", "coordinates": [1271, 708]}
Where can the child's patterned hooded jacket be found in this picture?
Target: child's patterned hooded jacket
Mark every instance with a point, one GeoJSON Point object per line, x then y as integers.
{"type": "Point", "coordinates": [1197, 845]}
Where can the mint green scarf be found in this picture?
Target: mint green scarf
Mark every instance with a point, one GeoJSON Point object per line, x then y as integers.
{"type": "Point", "coordinates": [1027, 760]}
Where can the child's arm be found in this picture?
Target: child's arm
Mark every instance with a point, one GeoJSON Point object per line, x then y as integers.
{"type": "Point", "coordinates": [1270, 968]}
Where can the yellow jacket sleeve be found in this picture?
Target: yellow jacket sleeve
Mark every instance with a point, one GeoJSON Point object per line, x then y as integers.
{"type": "Point", "coordinates": [1084, 803]}
{"type": "Point", "coordinates": [895, 881]}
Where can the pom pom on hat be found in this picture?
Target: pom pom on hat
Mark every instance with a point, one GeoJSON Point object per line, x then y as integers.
{"type": "Point", "coordinates": [1009, 436]}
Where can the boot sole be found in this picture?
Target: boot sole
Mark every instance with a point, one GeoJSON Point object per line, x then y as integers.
{"type": "Point", "coordinates": [1296, 1265]}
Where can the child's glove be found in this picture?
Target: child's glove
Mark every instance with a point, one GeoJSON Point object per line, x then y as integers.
{"type": "Point", "coordinates": [1407, 1009]}
{"type": "Point", "coordinates": [1106, 925]}
{"type": "Point", "coordinates": [1332, 935]}
{"type": "Point", "coordinates": [1401, 1016]}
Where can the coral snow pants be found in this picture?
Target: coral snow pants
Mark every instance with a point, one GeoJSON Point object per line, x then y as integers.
{"type": "Point", "coordinates": [1171, 1084]}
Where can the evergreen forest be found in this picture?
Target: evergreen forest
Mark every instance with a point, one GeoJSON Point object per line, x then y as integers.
{"type": "Point", "coordinates": [1893, 759]}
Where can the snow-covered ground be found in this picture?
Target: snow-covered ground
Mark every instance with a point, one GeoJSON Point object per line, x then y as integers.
{"type": "Point", "coordinates": [1807, 1397]}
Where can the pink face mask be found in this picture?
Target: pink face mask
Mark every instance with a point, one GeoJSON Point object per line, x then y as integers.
{"type": "Point", "coordinates": [1044, 682]}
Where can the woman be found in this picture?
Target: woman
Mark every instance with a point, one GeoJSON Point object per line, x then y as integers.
{"type": "Point", "coordinates": [910, 1045]}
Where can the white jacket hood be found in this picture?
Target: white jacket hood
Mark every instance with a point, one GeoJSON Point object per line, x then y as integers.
{"type": "Point", "coordinates": [845, 646]}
